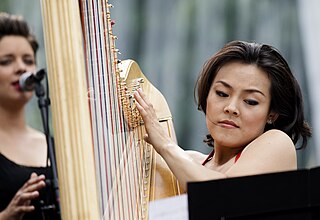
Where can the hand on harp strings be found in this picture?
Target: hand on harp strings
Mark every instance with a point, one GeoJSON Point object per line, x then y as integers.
{"type": "Point", "coordinates": [155, 134]}
{"type": "Point", "coordinates": [128, 101]}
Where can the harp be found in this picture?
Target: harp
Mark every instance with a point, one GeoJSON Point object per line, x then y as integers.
{"type": "Point", "coordinates": [105, 169]}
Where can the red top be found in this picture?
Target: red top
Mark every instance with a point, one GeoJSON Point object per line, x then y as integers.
{"type": "Point", "coordinates": [211, 155]}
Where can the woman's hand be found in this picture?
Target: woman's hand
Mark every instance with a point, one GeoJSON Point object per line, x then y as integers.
{"type": "Point", "coordinates": [21, 202]}
{"type": "Point", "coordinates": [156, 135]}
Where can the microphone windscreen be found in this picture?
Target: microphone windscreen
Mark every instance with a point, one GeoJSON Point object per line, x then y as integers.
{"type": "Point", "coordinates": [26, 81]}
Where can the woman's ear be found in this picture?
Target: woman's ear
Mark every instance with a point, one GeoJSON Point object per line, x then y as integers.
{"type": "Point", "coordinates": [272, 117]}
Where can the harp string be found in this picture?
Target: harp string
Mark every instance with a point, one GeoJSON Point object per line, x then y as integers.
{"type": "Point", "coordinates": [118, 155]}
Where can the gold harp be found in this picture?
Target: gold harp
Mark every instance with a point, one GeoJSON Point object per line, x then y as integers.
{"type": "Point", "coordinates": [82, 167]}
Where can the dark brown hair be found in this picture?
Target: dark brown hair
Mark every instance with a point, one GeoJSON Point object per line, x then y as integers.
{"type": "Point", "coordinates": [286, 98]}
{"type": "Point", "coordinates": [13, 25]}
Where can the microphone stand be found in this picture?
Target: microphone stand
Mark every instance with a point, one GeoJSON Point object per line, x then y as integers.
{"type": "Point", "coordinates": [43, 104]}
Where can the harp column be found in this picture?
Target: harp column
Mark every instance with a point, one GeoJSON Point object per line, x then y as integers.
{"type": "Point", "coordinates": [70, 109]}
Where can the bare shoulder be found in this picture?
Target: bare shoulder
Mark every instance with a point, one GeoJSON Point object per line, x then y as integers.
{"type": "Point", "coordinates": [35, 133]}
{"type": "Point", "coordinates": [197, 156]}
{"type": "Point", "coordinates": [273, 151]}
{"type": "Point", "coordinates": [37, 139]}
{"type": "Point", "coordinates": [276, 140]}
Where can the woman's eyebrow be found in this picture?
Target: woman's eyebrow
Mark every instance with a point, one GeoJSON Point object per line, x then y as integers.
{"type": "Point", "coordinates": [246, 90]}
{"type": "Point", "coordinates": [224, 83]}
{"type": "Point", "coordinates": [254, 91]}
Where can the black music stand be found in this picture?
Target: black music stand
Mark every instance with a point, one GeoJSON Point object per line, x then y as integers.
{"type": "Point", "coordinates": [283, 195]}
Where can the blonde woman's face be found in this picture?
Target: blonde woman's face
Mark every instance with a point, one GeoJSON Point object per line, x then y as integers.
{"type": "Point", "coordinates": [238, 105]}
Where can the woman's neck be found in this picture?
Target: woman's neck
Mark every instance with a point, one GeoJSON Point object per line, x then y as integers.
{"type": "Point", "coordinates": [12, 120]}
{"type": "Point", "coordinates": [224, 154]}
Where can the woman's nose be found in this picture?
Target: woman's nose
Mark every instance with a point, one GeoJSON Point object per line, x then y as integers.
{"type": "Point", "coordinates": [21, 67]}
{"type": "Point", "coordinates": [232, 109]}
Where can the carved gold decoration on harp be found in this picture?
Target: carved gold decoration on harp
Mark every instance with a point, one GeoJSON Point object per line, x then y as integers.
{"type": "Point", "coordinates": [106, 170]}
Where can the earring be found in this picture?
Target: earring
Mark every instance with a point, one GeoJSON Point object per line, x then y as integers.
{"type": "Point", "coordinates": [269, 121]}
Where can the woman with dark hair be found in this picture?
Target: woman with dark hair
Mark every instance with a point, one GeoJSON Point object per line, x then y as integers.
{"type": "Point", "coordinates": [254, 115]}
{"type": "Point", "coordinates": [23, 150]}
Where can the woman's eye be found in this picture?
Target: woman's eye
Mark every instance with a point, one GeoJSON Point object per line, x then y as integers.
{"type": "Point", "coordinates": [251, 102]}
{"type": "Point", "coordinates": [221, 94]}
{"type": "Point", "coordinates": [5, 62]}
{"type": "Point", "coordinates": [29, 61]}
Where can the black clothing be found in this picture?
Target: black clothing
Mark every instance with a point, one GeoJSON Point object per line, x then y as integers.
{"type": "Point", "coordinates": [12, 178]}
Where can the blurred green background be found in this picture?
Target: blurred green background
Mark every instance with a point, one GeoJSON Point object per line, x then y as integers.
{"type": "Point", "coordinates": [171, 40]}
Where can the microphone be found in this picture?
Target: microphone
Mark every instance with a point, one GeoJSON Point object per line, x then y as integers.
{"type": "Point", "coordinates": [28, 80]}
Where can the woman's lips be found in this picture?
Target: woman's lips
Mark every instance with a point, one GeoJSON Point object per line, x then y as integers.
{"type": "Point", "coordinates": [228, 124]}
{"type": "Point", "coordinates": [16, 85]}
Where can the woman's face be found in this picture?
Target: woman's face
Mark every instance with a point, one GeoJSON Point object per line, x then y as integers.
{"type": "Point", "coordinates": [238, 105]}
{"type": "Point", "coordinates": [16, 57]}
